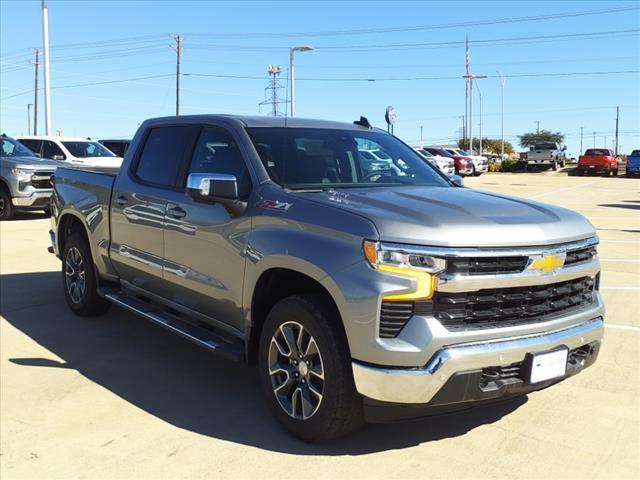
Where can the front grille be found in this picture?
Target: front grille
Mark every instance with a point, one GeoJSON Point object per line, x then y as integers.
{"type": "Point", "coordinates": [486, 265]}
{"type": "Point", "coordinates": [581, 255]}
{"type": "Point", "coordinates": [43, 180]}
{"type": "Point", "coordinates": [503, 307]}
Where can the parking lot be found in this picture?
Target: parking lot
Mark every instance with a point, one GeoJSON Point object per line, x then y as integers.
{"type": "Point", "coordinates": [116, 397]}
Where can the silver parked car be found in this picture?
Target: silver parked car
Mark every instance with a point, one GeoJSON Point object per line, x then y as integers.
{"type": "Point", "coordinates": [25, 180]}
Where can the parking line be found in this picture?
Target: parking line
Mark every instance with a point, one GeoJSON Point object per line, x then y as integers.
{"type": "Point", "coordinates": [633, 328]}
{"type": "Point", "coordinates": [619, 288]}
{"type": "Point", "coordinates": [619, 260]}
{"type": "Point", "coordinates": [620, 241]}
{"type": "Point", "coordinates": [561, 190]}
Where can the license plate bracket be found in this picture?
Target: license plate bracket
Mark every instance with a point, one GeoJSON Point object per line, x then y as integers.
{"type": "Point", "coordinates": [543, 366]}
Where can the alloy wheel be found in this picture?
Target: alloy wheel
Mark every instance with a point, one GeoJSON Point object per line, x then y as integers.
{"type": "Point", "coordinates": [296, 370]}
{"type": "Point", "coordinates": [74, 275]}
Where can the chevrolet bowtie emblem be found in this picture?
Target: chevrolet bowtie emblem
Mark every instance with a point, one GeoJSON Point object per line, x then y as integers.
{"type": "Point", "coordinates": [548, 263]}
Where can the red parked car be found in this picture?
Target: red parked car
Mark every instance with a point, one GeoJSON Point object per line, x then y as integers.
{"type": "Point", "coordinates": [464, 165]}
{"type": "Point", "coordinates": [599, 160]}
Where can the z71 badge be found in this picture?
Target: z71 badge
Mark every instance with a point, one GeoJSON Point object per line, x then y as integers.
{"type": "Point", "coordinates": [275, 205]}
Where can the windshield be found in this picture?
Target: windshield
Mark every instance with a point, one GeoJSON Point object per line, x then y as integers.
{"type": "Point", "coordinates": [12, 148]}
{"type": "Point", "coordinates": [635, 153]}
{"type": "Point", "coordinates": [82, 149]}
{"type": "Point", "coordinates": [310, 158]}
{"type": "Point", "coordinates": [545, 146]}
{"type": "Point", "coordinates": [439, 151]}
{"type": "Point", "coordinates": [426, 153]}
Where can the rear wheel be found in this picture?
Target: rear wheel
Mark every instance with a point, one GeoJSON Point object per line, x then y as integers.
{"type": "Point", "coordinates": [305, 370]}
{"type": "Point", "coordinates": [6, 207]}
{"type": "Point", "coordinates": [79, 278]}
{"type": "Point", "coordinates": [554, 165]}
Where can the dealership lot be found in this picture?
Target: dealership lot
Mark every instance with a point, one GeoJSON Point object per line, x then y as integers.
{"type": "Point", "coordinates": [117, 397]}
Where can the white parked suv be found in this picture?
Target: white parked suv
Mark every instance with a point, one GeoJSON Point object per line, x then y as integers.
{"type": "Point", "coordinates": [480, 162]}
{"type": "Point", "coordinates": [445, 164]}
{"type": "Point", "coordinates": [75, 150]}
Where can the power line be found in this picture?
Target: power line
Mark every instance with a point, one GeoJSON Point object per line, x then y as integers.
{"type": "Point", "coordinates": [398, 79]}
{"type": "Point", "coordinates": [370, 31]}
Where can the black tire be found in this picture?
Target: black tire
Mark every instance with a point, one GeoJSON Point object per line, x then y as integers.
{"type": "Point", "coordinates": [554, 165]}
{"type": "Point", "coordinates": [6, 207]}
{"type": "Point", "coordinates": [78, 267]}
{"type": "Point", "coordinates": [339, 409]}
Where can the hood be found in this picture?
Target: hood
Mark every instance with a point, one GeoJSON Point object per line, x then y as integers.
{"type": "Point", "coordinates": [33, 163]}
{"type": "Point", "coordinates": [458, 217]}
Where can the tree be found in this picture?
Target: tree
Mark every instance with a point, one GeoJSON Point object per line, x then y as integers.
{"type": "Point", "coordinates": [488, 145]}
{"type": "Point", "coordinates": [530, 139]}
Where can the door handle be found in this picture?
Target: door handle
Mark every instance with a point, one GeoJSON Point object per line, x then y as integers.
{"type": "Point", "coordinates": [175, 211]}
{"type": "Point", "coordinates": [121, 200]}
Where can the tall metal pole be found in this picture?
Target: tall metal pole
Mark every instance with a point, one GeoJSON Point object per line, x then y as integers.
{"type": "Point", "coordinates": [502, 82]}
{"type": "Point", "coordinates": [178, 48]}
{"type": "Point", "coordinates": [466, 89]}
{"type": "Point", "coordinates": [617, 121]}
{"type": "Point", "coordinates": [29, 118]}
{"type": "Point", "coordinates": [538, 126]}
{"type": "Point", "coordinates": [480, 95]}
{"type": "Point", "coordinates": [421, 127]}
{"type": "Point", "coordinates": [594, 139]}
{"type": "Point", "coordinates": [292, 82]}
{"type": "Point", "coordinates": [45, 54]}
{"type": "Point", "coordinates": [581, 131]}
{"type": "Point", "coordinates": [35, 93]}
{"type": "Point", "coordinates": [471, 115]}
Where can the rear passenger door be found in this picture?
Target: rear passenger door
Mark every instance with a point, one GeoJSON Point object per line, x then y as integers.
{"type": "Point", "coordinates": [204, 244]}
{"type": "Point", "coordinates": [139, 201]}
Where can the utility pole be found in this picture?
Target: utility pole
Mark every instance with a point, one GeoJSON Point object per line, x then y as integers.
{"type": "Point", "coordinates": [480, 96]}
{"type": "Point", "coordinates": [45, 54]}
{"type": "Point", "coordinates": [617, 121]}
{"type": "Point", "coordinates": [178, 48]}
{"type": "Point", "coordinates": [581, 132]}
{"type": "Point", "coordinates": [272, 89]}
{"type": "Point", "coordinates": [421, 127]}
{"type": "Point", "coordinates": [29, 118]}
{"type": "Point", "coordinates": [464, 127]}
{"type": "Point", "coordinates": [502, 82]}
{"type": "Point", "coordinates": [35, 93]}
{"type": "Point", "coordinates": [538, 127]}
{"type": "Point", "coordinates": [605, 141]}
{"type": "Point", "coordinates": [466, 90]}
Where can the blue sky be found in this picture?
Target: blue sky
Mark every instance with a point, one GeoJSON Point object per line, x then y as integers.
{"type": "Point", "coordinates": [221, 39]}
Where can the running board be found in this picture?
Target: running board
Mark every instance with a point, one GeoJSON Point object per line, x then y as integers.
{"type": "Point", "coordinates": [204, 337]}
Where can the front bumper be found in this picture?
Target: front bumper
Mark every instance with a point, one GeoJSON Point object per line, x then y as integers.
{"type": "Point", "coordinates": [39, 198]}
{"type": "Point", "coordinates": [423, 385]}
{"type": "Point", "coordinates": [481, 167]}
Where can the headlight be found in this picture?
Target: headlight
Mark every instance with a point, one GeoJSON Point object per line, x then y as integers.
{"type": "Point", "coordinates": [423, 269]}
{"type": "Point", "coordinates": [22, 174]}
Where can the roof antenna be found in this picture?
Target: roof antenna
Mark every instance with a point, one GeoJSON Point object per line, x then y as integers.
{"type": "Point", "coordinates": [363, 122]}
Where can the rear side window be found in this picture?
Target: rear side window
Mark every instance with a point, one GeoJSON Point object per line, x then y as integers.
{"type": "Point", "coordinates": [33, 145]}
{"type": "Point", "coordinates": [163, 154]}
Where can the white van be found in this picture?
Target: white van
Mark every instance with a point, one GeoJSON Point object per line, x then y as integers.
{"type": "Point", "coordinates": [75, 150]}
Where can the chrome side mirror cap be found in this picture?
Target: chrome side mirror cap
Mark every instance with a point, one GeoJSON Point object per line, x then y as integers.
{"type": "Point", "coordinates": [212, 186]}
{"type": "Point", "coordinates": [457, 180]}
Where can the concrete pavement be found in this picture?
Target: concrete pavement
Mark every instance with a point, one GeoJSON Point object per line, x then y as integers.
{"type": "Point", "coordinates": [116, 397]}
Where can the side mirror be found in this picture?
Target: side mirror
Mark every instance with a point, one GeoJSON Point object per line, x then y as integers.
{"type": "Point", "coordinates": [57, 157]}
{"type": "Point", "coordinates": [564, 148]}
{"type": "Point", "coordinates": [457, 180]}
{"type": "Point", "coordinates": [215, 187]}
{"type": "Point", "coordinates": [38, 155]}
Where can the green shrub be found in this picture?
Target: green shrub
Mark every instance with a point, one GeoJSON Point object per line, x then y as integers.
{"type": "Point", "coordinates": [509, 165]}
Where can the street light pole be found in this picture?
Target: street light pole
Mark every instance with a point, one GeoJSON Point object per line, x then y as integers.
{"type": "Point", "coordinates": [471, 77]}
{"type": "Point", "coordinates": [421, 127]}
{"type": "Point", "coordinates": [292, 50]}
{"type": "Point", "coordinates": [480, 96]}
{"type": "Point", "coordinates": [45, 52]}
{"type": "Point", "coordinates": [502, 82]}
{"type": "Point", "coordinates": [581, 130]}
{"type": "Point", "coordinates": [29, 118]}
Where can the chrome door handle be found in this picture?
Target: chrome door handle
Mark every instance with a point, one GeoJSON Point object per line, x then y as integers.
{"type": "Point", "coordinates": [121, 200]}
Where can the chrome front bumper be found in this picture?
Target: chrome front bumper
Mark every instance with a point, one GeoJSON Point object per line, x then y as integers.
{"type": "Point", "coordinates": [420, 385]}
{"type": "Point", "coordinates": [30, 200]}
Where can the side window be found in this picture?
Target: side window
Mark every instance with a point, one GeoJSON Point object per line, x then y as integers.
{"type": "Point", "coordinates": [164, 153]}
{"type": "Point", "coordinates": [49, 149]}
{"type": "Point", "coordinates": [33, 145]}
{"type": "Point", "coordinates": [217, 152]}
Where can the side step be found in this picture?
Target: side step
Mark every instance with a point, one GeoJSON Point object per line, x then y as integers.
{"type": "Point", "coordinates": [201, 335]}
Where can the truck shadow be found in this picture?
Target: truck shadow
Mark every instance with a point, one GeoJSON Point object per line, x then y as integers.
{"type": "Point", "coordinates": [183, 385]}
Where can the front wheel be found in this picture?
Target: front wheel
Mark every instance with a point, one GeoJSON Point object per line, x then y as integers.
{"type": "Point", "coordinates": [79, 278]}
{"type": "Point", "coordinates": [305, 370]}
{"type": "Point", "coordinates": [554, 165]}
{"type": "Point", "coordinates": [6, 207]}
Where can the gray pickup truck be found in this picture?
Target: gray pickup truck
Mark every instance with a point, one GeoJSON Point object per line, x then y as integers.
{"type": "Point", "coordinates": [545, 153]}
{"type": "Point", "coordinates": [25, 180]}
{"type": "Point", "coordinates": [361, 295]}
